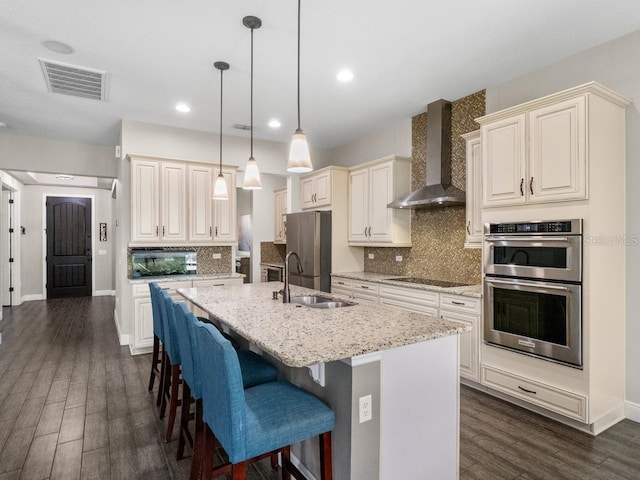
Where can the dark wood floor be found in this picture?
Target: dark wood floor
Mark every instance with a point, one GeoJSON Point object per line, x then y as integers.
{"type": "Point", "coordinates": [73, 404]}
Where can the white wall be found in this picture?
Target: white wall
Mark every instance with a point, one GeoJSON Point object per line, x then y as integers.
{"type": "Point", "coordinates": [32, 259]}
{"type": "Point", "coordinates": [614, 65]}
{"type": "Point", "coordinates": [395, 139]}
{"type": "Point", "coordinates": [55, 156]}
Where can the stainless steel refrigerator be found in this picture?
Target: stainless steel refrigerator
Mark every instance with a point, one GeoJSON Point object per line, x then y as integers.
{"type": "Point", "coordinates": [309, 235]}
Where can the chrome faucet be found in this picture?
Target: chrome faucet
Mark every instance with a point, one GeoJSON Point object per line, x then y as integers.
{"type": "Point", "coordinates": [286, 293]}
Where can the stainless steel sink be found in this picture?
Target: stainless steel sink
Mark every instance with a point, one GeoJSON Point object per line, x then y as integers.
{"type": "Point", "coordinates": [318, 301]}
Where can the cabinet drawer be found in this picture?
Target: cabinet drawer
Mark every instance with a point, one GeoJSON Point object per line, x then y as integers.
{"type": "Point", "coordinates": [411, 295]}
{"type": "Point", "coordinates": [409, 306]}
{"type": "Point", "coordinates": [218, 282]}
{"type": "Point", "coordinates": [555, 399]}
{"type": "Point", "coordinates": [339, 282]}
{"type": "Point", "coordinates": [365, 288]}
{"type": "Point", "coordinates": [460, 303]}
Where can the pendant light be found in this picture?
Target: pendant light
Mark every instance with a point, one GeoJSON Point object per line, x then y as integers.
{"type": "Point", "coordinates": [220, 189]}
{"type": "Point", "coordinates": [251, 173]}
{"type": "Point", "coordinates": [299, 157]}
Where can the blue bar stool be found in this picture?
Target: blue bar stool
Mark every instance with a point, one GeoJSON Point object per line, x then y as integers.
{"type": "Point", "coordinates": [257, 422]}
{"type": "Point", "coordinates": [157, 365]}
{"type": "Point", "coordinates": [171, 379]}
{"type": "Point", "coordinates": [254, 369]}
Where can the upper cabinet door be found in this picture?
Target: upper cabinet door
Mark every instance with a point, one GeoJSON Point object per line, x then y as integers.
{"type": "Point", "coordinates": [504, 156]}
{"type": "Point", "coordinates": [174, 196]}
{"type": "Point", "coordinates": [200, 203]}
{"type": "Point", "coordinates": [225, 213]}
{"type": "Point", "coordinates": [380, 194]}
{"type": "Point", "coordinates": [557, 153]}
{"type": "Point", "coordinates": [322, 189]}
{"type": "Point", "coordinates": [145, 201]}
{"type": "Point", "coordinates": [358, 205]}
{"type": "Point", "coordinates": [474, 228]}
{"type": "Point", "coordinates": [306, 186]}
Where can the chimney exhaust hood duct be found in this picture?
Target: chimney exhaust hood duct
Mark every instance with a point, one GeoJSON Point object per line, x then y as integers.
{"type": "Point", "coordinates": [438, 191]}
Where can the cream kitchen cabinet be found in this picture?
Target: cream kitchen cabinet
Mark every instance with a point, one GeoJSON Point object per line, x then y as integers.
{"type": "Point", "coordinates": [371, 187]}
{"type": "Point", "coordinates": [467, 310]}
{"type": "Point", "coordinates": [316, 189]}
{"type": "Point", "coordinates": [474, 190]}
{"type": "Point", "coordinates": [539, 152]}
{"type": "Point", "coordinates": [158, 201]}
{"type": "Point", "coordinates": [225, 230]}
{"type": "Point", "coordinates": [322, 188]}
{"type": "Point", "coordinates": [280, 216]}
{"type": "Point", "coordinates": [171, 204]}
{"type": "Point", "coordinates": [411, 299]}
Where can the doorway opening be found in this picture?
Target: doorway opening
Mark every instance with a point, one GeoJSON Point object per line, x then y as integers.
{"type": "Point", "coordinates": [69, 242]}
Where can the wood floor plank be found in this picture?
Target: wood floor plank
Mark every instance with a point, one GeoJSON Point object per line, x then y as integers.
{"type": "Point", "coordinates": [95, 465]}
{"type": "Point", "coordinates": [72, 427]}
{"type": "Point", "coordinates": [15, 449]}
{"type": "Point", "coordinates": [77, 395]}
{"type": "Point", "coordinates": [30, 414]}
{"type": "Point", "coordinates": [67, 462]}
{"type": "Point", "coordinates": [96, 431]}
{"type": "Point", "coordinates": [40, 458]}
{"type": "Point", "coordinates": [15, 475]}
{"type": "Point", "coordinates": [58, 391]}
{"type": "Point", "coordinates": [12, 406]}
{"type": "Point", "coordinates": [50, 418]}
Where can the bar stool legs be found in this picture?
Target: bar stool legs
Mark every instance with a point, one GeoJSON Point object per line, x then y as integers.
{"type": "Point", "coordinates": [174, 381]}
{"type": "Point", "coordinates": [155, 362]}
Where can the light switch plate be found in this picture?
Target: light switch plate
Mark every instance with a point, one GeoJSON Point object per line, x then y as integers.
{"type": "Point", "coordinates": [217, 256]}
{"type": "Point", "coordinates": [371, 256]}
{"type": "Point", "coordinates": [398, 258]}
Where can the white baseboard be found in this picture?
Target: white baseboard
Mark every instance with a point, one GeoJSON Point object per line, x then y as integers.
{"type": "Point", "coordinates": [123, 339]}
{"type": "Point", "coordinates": [104, 293]}
{"type": "Point", "coordinates": [31, 298]}
{"type": "Point", "coordinates": [632, 411]}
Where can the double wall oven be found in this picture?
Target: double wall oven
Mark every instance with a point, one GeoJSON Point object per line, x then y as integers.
{"type": "Point", "coordinates": [533, 288]}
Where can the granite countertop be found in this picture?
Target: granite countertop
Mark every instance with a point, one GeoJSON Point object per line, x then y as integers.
{"type": "Point", "coordinates": [272, 264]}
{"type": "Point", "coordinates": [300, 336]}
{"type": "Point", "coordinates": [386, 279]}
{"type": "Point", "coordinates": [180, 278]}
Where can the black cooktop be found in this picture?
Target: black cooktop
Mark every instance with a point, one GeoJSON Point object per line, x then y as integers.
{"type": "Point", "coordinates": [428, 281]}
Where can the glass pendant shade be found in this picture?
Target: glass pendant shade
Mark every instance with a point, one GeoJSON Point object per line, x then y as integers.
{"type": "Point", "coordinates": [220, 189]}
{"type": "Point", "coordinates": [299, 158]}
{"type": "Point", "coordinates": [252, 176]}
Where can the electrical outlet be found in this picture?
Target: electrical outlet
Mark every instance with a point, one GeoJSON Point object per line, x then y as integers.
{"type": "Point", "coordinates": [398, 258]}
{"type": "Point", "coordinates": [371, 256]}
{"type": "Point", "coordinates": [217, 256]}
{"type": "Point", "coordinates": [365, 412]}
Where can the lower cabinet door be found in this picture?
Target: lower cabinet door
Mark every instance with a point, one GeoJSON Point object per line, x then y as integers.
{"type": "Point", "coordinates": [469, 361]}
{"type": "Point", "coordinates": [143, 323]}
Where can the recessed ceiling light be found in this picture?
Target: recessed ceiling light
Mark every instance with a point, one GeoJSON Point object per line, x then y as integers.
{"type": "Point", "coordinates": [183, 107]}
{"type": "Point", "coordinates": [3, 125]}
{"type": "Point", "coordinates": [274, 123]}
{"type": "Point", "coordinates": [58, 47]}
{"type": "Point", "coordinates": [345, 75]}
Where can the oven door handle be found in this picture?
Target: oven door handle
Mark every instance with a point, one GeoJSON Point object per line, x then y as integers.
{"type": "Point", "coordinates": [526, 284]}
{"type": "Point", "coordinates": [526, 239]}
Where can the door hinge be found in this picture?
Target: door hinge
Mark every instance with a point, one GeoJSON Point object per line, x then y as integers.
{"type": "Point", "coordinates": [11, 230]}
{"type": "Point", "coordinates": [11, 200]}
{"type": "Point", "coordinates": [11, 260]}
{"type": "Point", "coordinates": [11, 289]}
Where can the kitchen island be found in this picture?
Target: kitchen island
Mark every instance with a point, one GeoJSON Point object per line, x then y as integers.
{"type": "Point", "coordinates": [398, 368]}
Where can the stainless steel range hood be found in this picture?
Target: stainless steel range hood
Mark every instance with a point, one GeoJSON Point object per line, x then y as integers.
{"type": "Point", "coordinates": [438, 191]}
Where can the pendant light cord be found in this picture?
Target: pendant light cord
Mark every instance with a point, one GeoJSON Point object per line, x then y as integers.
{"type": "Point", "coordinates": [221, 73]}
{"type": "Point", "coordinates": [251, 93]}
{"type": "Point", "coordinates": [298, 64]}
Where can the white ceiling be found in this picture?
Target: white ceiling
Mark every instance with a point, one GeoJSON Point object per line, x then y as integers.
{"type": "Point", "coordinates": [404, 53]}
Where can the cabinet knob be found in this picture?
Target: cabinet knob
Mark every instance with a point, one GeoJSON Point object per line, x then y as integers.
{"type": "Point", "coordinates": [469, 227]}
{"type": "Point", "coordinates": [163, 230]}
{"type": "Point", "coordinates": [522, 187]}
{"type": "Point", "coordinates": [157, 230]}
{"type": "Point", "coordinates": [531, 185]}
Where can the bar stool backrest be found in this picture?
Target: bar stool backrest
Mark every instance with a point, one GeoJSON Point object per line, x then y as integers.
{"type": "Point", "coordinates": [222, 391]}
{"type": "Point", "coordinates": [171, 345]}
{"type": "Point", "coordinates": [158, 328]}
{"type": "Point", "coordinates": [184, 319]}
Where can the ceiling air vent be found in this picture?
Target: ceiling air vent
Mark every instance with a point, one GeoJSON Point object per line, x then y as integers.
{"type": "Point", "coordinates": [73, 80]}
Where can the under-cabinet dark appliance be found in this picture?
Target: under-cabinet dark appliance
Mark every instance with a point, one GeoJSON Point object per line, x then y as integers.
{"type": "Point", "coordinates": [533, 288]}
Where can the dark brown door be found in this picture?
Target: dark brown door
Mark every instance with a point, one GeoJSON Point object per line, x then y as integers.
{"type": "Point", "coordinates": [68, 247]}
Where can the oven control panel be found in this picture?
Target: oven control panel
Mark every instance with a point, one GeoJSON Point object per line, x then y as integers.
{"type": "Point", "coordinates": [551, 227]}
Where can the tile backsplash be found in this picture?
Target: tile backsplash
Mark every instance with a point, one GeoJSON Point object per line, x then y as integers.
{"type": "Point", "coordinates": [272, 252]}
{"type": "Point", "coordinates": [437, 235]}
